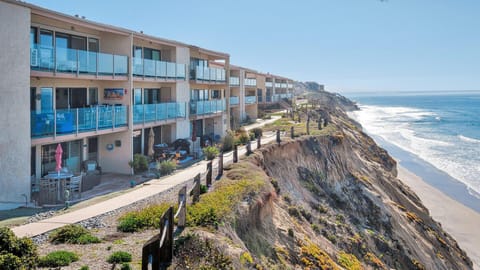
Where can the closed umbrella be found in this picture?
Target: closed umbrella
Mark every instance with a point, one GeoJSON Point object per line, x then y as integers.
{"type": "Point", "coordinates": [58, 158]}
{"type": "Point", "coordinates": [151, 139]}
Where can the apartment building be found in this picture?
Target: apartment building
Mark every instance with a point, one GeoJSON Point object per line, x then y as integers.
{"type": "Point", "coordinates": [98, 90]}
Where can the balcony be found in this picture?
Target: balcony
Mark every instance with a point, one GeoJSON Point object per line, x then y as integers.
{"type": "Point", "coordinates": [43, 58]}
{"type": "Point", "coordinates": [250, 82]}
{"type": "Point", "coordinates": [278, 85]}
{"type": "Point", "coordinates": [289, 86]}
{"type": "Point", "coordinates": [207, 106]}
{"type": "Point", "coordinates": [158, 69]}
{"type": "Point", "coordinates": [74, 121]}
{"type": "Point", "coordinates": [144, 113]}
{"type": "Point", "coordinates": [268, 84]}
{"type": "Point", "coordinates": [250, 99]}
{"type": "Point", "coordinates": [234, 101]}
{"type": "Point", "coordinates": [235, 81]}
{"type": "Point", "coordinates": [206, 74]}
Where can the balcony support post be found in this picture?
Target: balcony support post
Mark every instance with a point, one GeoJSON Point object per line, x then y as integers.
{"type": "Point", "coordinates": [96, 119]}
{"type": "Point", "coordinates": [113, 117]}
{"type": "Point", "coordinates": [78, 63]}
{"type": "Point", "coordinates": [76, 119]}
{"type": "Point", "coordinates": [54, 124]}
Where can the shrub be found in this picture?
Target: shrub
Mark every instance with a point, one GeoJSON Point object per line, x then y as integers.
{"type": "Point", "coordinates": [15, 251]}
{"type": "Point", "coordinates": [72, 234]}
{"type": "Point", "coordinates": [119, 257]}
{"type": "Point", "coordinates": [219, 203]}
{"type": "Point", "coordinates": [243, 138]}
{"type": "Point", "coordinates": [9, 261]}
{"type": "Point", "coordinates": [166, 167]}
{"type": "Point", "coordinates": [349, 261]}
{"type": "Point", "coordinates": [290, 232]}
{"type": "Point", "coordinates": [139, 163]}
{"type": "Point", "coordinates": [203, 189]}
{"type": "Point", "coordinates": [258, 132]}
{"type": "Point", "coordinates": [251, 136]}
{"type": "Point", "coordinates": [148, 217]}
{"type": "Point", "coordinates": [228, 141]}
{"type": "Point", "coordinates": [85, 267]}
{"type": "Point", "coordinates": [58, 258]}
{"type": "Point", "coordinates": [125, 266]}
{"type": "Point", "coordinates": [210, 152]}
{"type": "Point", "coordinates": [246, 258]}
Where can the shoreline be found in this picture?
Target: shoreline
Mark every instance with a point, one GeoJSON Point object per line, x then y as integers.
{"type": "Point", "coordinates": [456, 219]}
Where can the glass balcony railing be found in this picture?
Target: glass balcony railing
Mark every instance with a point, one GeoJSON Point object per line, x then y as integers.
{"type": "Point", "coordinates": [234, 81]}
{"type": "Point", "coordinates": [278, 85]}
{"type": "Point", "coordinates": [289, 85]}
{"type": "Point", "coordinates": [208, 74]}
{"type": "Point", "coordinates": [250, 99]}
{"type": "Point", "coordinates": [158, 69]}
{"type": "Point", "coordinates": [234, 100]}
{"type": "Point", "coordinates": [269, 84]}
{"type": "Point", "coordinates": [250, 82]}
{"type": "Point", "coordinates": [44, 58]}
{"type": "Point", "coordinates": [71, 121]}
{"type": "Point", "coordinates": [144, 113]}
{"type": "Point", "coordinates": [207, 106]}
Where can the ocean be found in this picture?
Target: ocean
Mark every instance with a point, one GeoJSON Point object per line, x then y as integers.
{"type": "Point", "coordinates": [442, 129]}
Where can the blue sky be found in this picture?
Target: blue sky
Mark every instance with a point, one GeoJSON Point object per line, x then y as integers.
{"type": "Point", "coordinates": [348, 45]}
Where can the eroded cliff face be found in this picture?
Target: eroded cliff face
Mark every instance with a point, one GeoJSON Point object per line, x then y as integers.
{"type": "Point", "coordinates": [331, 202]}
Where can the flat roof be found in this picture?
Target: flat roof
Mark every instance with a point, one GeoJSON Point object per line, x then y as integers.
{"type": "Point", "coordinates": [106, 27]}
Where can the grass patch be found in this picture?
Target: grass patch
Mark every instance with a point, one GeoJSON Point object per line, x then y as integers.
{"type": "Point", "coordinates": [313, 257]}
{"type": "Point", "coordinates": [148, 217]}
{"type": "Point", "coordinates": [58, 259]}
{"type": "Point", "coordinates": [349, 261]}
{"type": "Point", "coordinates": [221, 201]}
{"type": "Point", "coordinates": [119, 257]}
{"type": "Point", "coordinates": [73, 234]}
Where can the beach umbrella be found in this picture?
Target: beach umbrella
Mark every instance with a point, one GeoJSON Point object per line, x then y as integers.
{"type": "Point", "coordinates": [58, 158]}
{"type": "Point", "coordinates": [151, 140]}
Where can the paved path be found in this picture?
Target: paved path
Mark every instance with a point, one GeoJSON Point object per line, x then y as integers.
{"type": "Point", "coordinates": [151, 188]}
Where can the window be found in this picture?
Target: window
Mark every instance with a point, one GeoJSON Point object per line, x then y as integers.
{"type": "Point", "coordinates": [151, 54]}
{"type": "Point", "coordinates": [137, 96]}
{"type": "Point", "coordinates": [33, 36]}
{"type": "Point", "coordinates": [151, 96]}
{"type": "Point", "coordinates": [46, 38]}
{"type": "Point", "coordinates": [46, 97]}
{"type": "Point", "coordinates": [92, 96]}
{"type": "Point", "coordinates": [216, 94]}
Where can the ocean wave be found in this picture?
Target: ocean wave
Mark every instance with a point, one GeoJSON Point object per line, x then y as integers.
{"type": "Point", "coordinates": [447, 153]}
{"type": "Point", "coordinates": [468, 139]}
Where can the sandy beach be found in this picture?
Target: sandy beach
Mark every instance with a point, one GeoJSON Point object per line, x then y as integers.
{"type": "Point", "coordinates": [458, 220]}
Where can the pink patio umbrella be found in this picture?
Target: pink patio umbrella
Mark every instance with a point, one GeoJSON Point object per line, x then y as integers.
{"type": "Point", "coordinates": [58, 158]}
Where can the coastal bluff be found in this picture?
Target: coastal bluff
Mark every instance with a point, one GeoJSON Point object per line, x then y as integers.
{"type": "Point", "coordinates": [329, 201]}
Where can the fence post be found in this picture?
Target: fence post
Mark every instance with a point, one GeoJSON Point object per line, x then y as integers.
{"type": "Point", "coordinates": [155, 254]}
{"type": "Point", "coordinates": [278, 136]}
{"type": "Point", "coordinates": [249, 148]}
{"type": "Point", "coordinates": [308, 125]}
{"type": "Point", "coordinates": [220, 165]}
{"type": "Point", "coordinates": [319, 121]}
{"type": "Point", "coordinates": [292, 134]}
{"type": "Point", "coordinates": [209, 174]}
{"type": "Point", "coordinates": [325, 122]}
{"type": "Point", "coordinates": [259, 142]}
{"type": "Point", "coordinates": [182, 200]}
{"type": "Point", "coordinates": [196, 189]}
{"type": "Point", "coordinates": [235, 154]}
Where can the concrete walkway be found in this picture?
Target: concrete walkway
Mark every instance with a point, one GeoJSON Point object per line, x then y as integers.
{"type": "Point", "coordinates": [149, 188]}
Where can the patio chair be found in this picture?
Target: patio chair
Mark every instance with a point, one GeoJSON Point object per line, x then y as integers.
{"type": "Point", "coordinates": [74, 185]}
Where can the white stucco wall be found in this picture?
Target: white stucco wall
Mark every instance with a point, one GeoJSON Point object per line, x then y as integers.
{"type": "Point", "coordinates": [182, 94]}
{"type": "Point", "coordinates": [14, 105]}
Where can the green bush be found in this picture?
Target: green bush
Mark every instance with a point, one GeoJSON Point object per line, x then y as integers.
{"type": "Point", "coordinates": [9, 261]}
{"type": "Point", "coordinates": [126, 266]}
{"type": "Point", "coordinates": [73, 234]}
{"type": "Point", "coordinates": [139, 163]}
{"type": "Point", "coordinates": [14, 251]}
{"type": "Point", "coordinates": [148, 217]}
{"type": "Point", "coordinates": [203, 189]}
{"type": "Point", "coordinates": [251, 136]}
{"type": "Point", "coordinates": [85, 267]}
{"type": "Point", "coordinates": [119, 257]}
{"type": "Point", "coordinates": [58, 258]}
{"type": "Point", "coordinates": [210, 152]}
{"type": "Point", "coordinates": [243, 138]}
{"type": "Point", "coordinates": [228, 141]}
{"type": "Point", "coordinates": [167, 167]}
{"type": "Point", "coordinates": [258, 132]}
